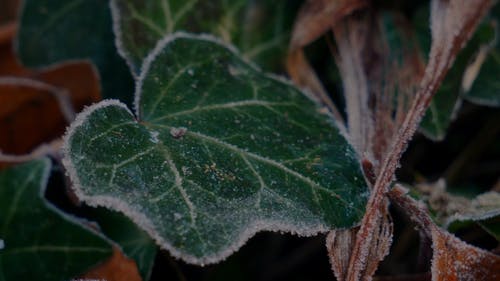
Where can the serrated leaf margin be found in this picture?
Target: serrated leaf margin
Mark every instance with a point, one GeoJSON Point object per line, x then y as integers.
{"type": "Point", "coordinates": [140, 219]}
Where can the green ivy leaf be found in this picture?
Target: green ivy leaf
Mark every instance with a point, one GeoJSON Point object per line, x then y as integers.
{"type": "Point", "coordinates": [260, 29]}
{"type": "Point", "coordinates": [218, 152]}
{"type": "Point", "coordinates": [37, 241]}
{"type": "Point", "coordinates": [52, 31]}
{"type": "Point", "coordinates": [134, 242]}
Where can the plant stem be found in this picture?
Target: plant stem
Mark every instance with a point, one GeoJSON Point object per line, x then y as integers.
{"type": "Point", "coordinates": [442, 55]}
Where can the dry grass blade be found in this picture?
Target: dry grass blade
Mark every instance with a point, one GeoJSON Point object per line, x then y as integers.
{"type": "Point", "coordinates": [351, 37]}
{"type": "Point", "coordinates": [339, 244]}
{"type": "Point", "coordinates": [453, 259]}
{"type": "Point", "coordinates": [382, 240]}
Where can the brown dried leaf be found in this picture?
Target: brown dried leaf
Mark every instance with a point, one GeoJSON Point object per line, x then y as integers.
{"type": "Point", "coordinates": [456, 260]}
{"type": "Point", "coordinates": [7, 31]}
{"type": "Point", "coordinates": [35, 106]}
{"type": "Point", "coordinates": [453, 259]}
{"type": "Point", "coordinates": [339, 246]}
{"type": "Point", "coordinates": [117, 268]}
{"type": "Point", "coordinates": [29, 114]}
{"type": "Point", "coordinates": [340, 243]}
{"type": "Point", "coordinates": [351, 36]}
{"type": "Point", "coordinates": [382, 241]}
{"type": "Point", "coordinates": [315, 18]}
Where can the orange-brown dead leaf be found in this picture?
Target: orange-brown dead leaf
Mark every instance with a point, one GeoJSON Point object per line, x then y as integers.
{"type": "Point", "coordinates": [316, 17]}
{"type": "Point", "coordinates": [30, 113]}
{"type": "Point", "coordinates": [456, 260]}
{"type": "Point", "coordinates": [29, 116]}
{"type": "Point", "coordinates": [117, 268]}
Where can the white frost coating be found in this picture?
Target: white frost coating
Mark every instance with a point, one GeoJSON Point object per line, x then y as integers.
{"type": "Point", "coordinates": [159, 48]}
{"type": "Point", "coordinates": [82, 117]}
{"type": "Point", "coordinates": [145, 223]}
{"type": "Point", "coordinates": [154, 136]}
{"type": "Point", "coordinates": [484, 206]}
{"type": "Point", "coordinates": [79, 120]}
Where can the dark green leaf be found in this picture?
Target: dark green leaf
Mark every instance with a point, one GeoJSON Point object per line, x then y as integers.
{"type": "Point", "coordinates": [52, 31]}
{"type": "Point", "coordinates": [37, 241]}
{"type": "Point", "coordinates": [260, 29]}
{"type": "Point", "coordinates": [218, 152]}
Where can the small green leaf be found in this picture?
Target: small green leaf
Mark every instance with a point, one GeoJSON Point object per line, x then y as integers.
{"type": "Point", "coordinates": [218, 152]}
{"type": "Point", "coordinates": [135, 243]}
{"type": "Point", "coordinates": [38, 242]}
{"type": "Point", "coordinates": [260, 29]}
{"type": "Point", "coordinates": [52, 31]}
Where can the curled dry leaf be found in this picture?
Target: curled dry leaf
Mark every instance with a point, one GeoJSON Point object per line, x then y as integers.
{"type": "Point", "coordinates": [315, 18]}
{"type": "Point", "coordinates": [453, 259]}
{"type": "Point", "coordinates": [117, 268]}
{"type": "Point", "coordinates": [318, 16]}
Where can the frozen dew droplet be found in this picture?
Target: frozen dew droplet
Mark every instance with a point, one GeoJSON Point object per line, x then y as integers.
{"type": "Point", "coordinates": [233, 70]}
{"type": "Point", "coordinates": [177, 133]}
{"type": "Point", "coordinates": [190, 72]}
{"type": "Point", "coordinates": [154, 136]}
{"type": "Point", "coordinates": [2, 244]}
{"type": "Point", "coordinates": [177, 216]}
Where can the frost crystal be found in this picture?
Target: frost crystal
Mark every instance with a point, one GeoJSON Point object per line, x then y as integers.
{"type": "Point", "coordinates": [177, 133]}
{"type": "Point", "coordinates": [154, 136]}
